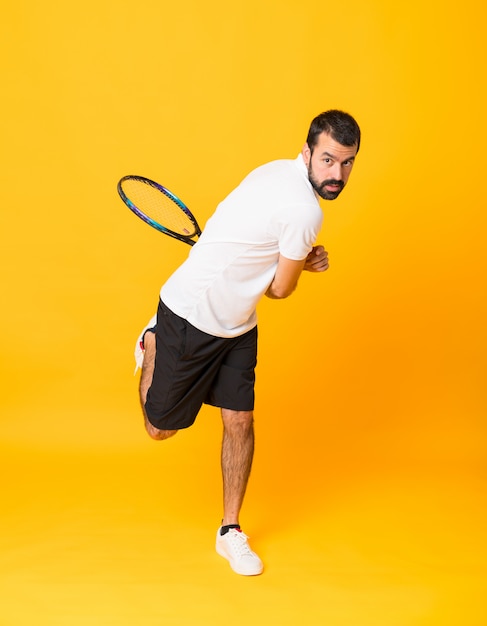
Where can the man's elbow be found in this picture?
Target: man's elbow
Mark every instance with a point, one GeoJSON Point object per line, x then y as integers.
{"type": "Point", "coordinates": [284, 293]}
{"type": "Point", "coordinates": [280, 292]}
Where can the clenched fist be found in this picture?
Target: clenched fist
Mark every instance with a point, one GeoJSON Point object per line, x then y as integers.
{"type": "Point", "coordinates": [317, 260]}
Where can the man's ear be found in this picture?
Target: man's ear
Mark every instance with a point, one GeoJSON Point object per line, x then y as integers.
{"type": "Point", "coordinates": [306, 152]}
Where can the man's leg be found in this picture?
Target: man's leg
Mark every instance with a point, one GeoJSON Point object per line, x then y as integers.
{"type": "Point", "coordinates": [145, 383]}
{"type": "Point", "coordinates": [236, 460]}
{"type": "Point", "coordinates": [237, 454]}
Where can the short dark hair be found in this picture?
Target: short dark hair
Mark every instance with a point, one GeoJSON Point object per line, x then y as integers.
{"type": "Point", "coordinates": [339, 125]}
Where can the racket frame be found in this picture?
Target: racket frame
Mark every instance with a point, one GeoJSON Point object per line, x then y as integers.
{"type": "Point", "coordinates": [189, 239]}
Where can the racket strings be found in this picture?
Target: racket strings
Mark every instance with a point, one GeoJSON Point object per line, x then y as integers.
{"type": "Point", "coordinates": [159, 207]}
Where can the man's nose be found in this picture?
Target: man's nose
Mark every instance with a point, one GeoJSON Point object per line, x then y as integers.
{"type": "Point", "coordinates": [336, 171]}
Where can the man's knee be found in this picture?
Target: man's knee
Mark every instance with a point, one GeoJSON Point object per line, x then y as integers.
{"type": "Point", "coordinates": [237, 420]}
{"type": "Point", "coordinates": [155, 433]}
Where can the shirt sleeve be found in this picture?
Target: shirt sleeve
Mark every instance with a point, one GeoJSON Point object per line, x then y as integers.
{"type": "Point", "coordinates": [297, 231]}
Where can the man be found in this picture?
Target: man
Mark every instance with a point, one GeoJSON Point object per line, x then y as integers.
{"type": "Point", "coordinates": [203, 348]}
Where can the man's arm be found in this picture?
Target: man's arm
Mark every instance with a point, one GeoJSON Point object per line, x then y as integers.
{"type": "Point", "coordinates": [288, 272]}
{"type": "Point", "coordinates": [286, 278]}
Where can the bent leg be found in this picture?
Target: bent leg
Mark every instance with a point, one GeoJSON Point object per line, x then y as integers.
{"type": "Point", "coordinates": [236, 460]}
{"type": "Point", "coordinates": [145, 383]}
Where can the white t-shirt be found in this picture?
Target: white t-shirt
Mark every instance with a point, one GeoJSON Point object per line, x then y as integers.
{"type": "Point", "coordinates": [273, 211]}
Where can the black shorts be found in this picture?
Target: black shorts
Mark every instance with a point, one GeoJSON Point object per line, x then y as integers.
{"type": "Point", "coordinates": [193, 368]}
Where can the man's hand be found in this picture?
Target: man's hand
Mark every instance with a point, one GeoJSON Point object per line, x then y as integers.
{"type": "Point", "coordinates": [317, 260]}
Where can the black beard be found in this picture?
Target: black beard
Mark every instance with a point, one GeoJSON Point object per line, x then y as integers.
{"type": "Point", "coordinates": [320, 187]}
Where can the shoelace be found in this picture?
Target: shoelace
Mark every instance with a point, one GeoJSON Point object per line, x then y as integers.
{"type": "Point", "coordinates": [238, 540]}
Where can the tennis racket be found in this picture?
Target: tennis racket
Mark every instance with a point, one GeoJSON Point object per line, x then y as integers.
{"type": "Point", "coordinates": [159, 207]}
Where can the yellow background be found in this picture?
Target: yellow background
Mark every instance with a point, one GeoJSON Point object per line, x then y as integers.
{"type": "Point", "coordinates": [367, 499]}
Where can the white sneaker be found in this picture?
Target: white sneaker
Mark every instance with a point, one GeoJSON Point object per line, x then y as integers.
{"type": "Point", "coordinates": [234, 547]}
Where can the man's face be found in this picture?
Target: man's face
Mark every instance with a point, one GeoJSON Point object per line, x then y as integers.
{"type": "Point", "coordinates": [329, 166]}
